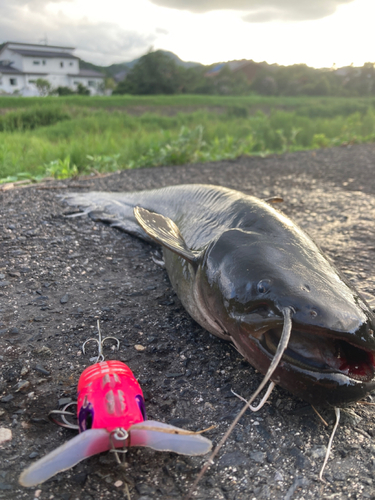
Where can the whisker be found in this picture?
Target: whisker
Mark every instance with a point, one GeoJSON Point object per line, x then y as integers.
{"type": "Point", "coordinates": [262, 401]}
{"type": "Point", "coordinates": [283, 343]}
{"type": "Point", "coordinates": [337, 412]}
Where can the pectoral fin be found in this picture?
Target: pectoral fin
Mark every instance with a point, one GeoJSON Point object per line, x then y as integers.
{"type": "Point", "coordinates": [165, 232]}
{"type": "Point", "coordinates": [164, 437]}
{"type": "Point", "coordinates": [64, 457]}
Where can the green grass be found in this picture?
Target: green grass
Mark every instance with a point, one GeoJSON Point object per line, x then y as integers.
{"type": "Point", "coordinates": [309, 105]}
{"type": "Point", "coordinates": [62, 137]}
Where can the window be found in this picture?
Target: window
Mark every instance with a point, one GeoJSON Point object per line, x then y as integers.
{"type": "Point", "coordinates": [61, 64]}
{"type": "Point", "coordinates": [44, 62]}
{"type": "Point", "coordinates": [70, 64]}
{"type": "Point", "coordinates": [32, 81]}
{"type": "Point", "coordinates": [75, 83]}
{"type": "Point", "coordinates": [36, 62]}
{"type": "Point", "coordinates": [91, 83]}
{"type": "Point", "coordinates": [13, 81]}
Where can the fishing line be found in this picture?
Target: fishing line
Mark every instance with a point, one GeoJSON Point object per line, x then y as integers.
{"type": "Point", "coordinates": [337, 412]}
{"type": "Point", "coordinates": [283, 343]}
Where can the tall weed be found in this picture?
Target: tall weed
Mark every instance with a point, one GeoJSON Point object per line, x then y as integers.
{"type": "Point", "coordinates": [31, 118]}
{"type": "Point", "coordinates": [101, 141]}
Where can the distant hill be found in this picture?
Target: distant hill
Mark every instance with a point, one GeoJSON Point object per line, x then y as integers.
{"type": "Point", "coordinates": [87, 65]}
{"type": "Point", "coordinates": [119, 70]}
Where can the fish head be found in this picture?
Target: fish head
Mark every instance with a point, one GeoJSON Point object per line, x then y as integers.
{"type": "Point", "coordinates": [251, 277]}
{"type": "Point", "coordinates": [109, 397]}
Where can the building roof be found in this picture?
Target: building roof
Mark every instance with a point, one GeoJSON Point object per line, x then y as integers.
{"type": "Point", "coordinates": [87, 73]}
{"type": "Point", "coordinates": [8, 69]}
{"type": "Point", "coordinates": [38, 45]}
{"type": "Point", "coordinates": [43, 53]}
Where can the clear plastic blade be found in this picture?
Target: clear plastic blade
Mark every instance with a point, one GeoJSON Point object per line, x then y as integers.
{"type": "Point", "coordinates": [64, 457]}
{"type": "Point", "coordinates": [164, 437]}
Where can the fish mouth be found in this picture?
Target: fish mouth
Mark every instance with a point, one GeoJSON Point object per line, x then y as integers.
{"type": "Point", "coordinates": [322, 352]}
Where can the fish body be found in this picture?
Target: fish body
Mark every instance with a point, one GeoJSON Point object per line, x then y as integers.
{"type": "Point", "coordinates": [236, 262]}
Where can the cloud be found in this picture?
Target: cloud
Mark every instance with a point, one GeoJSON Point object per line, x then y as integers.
{"type": "Point", "coordinates": [262, 10]}
{"type": "Point", "coordinates": [161, 31]}
{"type": "Point", "coordinates": [101, 43]}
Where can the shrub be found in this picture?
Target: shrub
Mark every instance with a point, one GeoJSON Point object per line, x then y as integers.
{"type": "Point", "coordinates": [82, 90]}
{"type": "Point", "coordinates": [64, 91]}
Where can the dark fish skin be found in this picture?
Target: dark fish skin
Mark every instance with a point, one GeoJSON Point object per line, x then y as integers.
{"type": "Point", "coordinates": [236, 262]}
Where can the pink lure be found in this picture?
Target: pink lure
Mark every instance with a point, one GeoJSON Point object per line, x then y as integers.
{"type": "Point", "coordinates": [110, 398]}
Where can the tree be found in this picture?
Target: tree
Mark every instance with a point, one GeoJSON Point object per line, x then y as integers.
{"type": "Point", "coordinates": [43, 86]}
{"type": "Point", "coordinates": [268, 86]}
{"type": "Point", "coordinates": [154, 73]}
{"type": "Point", "coordinates": [109, 84]}
{"type": "Point", "coordinates": [229, 82]}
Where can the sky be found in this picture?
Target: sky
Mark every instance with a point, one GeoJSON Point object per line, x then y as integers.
{"type": "Point", "coordinates": [319, 33]}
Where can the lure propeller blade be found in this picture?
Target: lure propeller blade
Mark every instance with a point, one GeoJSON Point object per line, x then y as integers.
{"type": "Point", "coordinates": [64, 457]}
{"type": "Point", "coordinates": [164, 437]}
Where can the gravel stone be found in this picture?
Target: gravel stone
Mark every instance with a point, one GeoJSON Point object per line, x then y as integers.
{"type": "Point", "coordinates": [5, 435]}
{"type": "Point", "coordinates": [64, 299]}
{"type": "Point", "coordinates": [40, 369]}
{"type": "Point", "coordinates": [234, 458]}
{"type": "Point", "coordinates": [258, 457]}
{"type": "Point", "coordinates": [7, 398]}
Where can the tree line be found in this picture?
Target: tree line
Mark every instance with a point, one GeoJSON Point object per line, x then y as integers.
{"type": "Point", "coordinates": [157, 73]}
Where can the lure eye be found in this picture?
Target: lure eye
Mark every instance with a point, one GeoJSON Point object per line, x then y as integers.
{"type": "Point", "coordinates": [263, 286]}
{"type": "Point", "coordinates": [86, 417]}
{"type": "Point", "coordinates": [89, 421]}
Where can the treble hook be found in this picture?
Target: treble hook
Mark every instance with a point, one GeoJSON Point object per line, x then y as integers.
{"type": "Point", "coordinates": [119, 434]}
{"type": "Point", "coordinates": [100, 343]}
{"type": "Point", "coordinates": [62, 413]}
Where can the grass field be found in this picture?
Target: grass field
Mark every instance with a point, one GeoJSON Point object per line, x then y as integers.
{"type": "Point", "coordinates": [66, 136]}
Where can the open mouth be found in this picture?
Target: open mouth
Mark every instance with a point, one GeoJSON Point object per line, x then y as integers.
{"type": "Point", "coordinates": [323, 353]}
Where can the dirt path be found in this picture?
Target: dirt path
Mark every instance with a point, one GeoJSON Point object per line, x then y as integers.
{"type": "Point", "coordinates": [59, 275]}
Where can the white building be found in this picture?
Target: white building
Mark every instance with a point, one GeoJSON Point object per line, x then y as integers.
{"type": "Point", "coordinates": [21, 64]}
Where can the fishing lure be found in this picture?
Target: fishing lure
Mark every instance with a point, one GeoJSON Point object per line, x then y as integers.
{"type": "Point", "coordinates": [111, 414]}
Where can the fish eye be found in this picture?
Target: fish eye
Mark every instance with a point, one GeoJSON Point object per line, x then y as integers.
{"type": "Point", "coordinates": [263, 286]}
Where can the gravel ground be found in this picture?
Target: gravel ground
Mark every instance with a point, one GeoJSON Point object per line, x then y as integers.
{"type": "Point", "coordinates": [59, 275]}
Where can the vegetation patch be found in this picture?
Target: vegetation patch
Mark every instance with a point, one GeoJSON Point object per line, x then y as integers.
{"type": "Point", "coordinates": [70, 136]}
{"type": "Point", "coordinates": [31, 118]}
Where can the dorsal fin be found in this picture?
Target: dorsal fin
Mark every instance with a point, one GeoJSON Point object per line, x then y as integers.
{"type": "Point", "coordinates": [165, 232]}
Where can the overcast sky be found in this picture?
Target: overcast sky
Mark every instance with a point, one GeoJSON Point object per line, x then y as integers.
{"type": "Point", "coordinates": [319, 33]}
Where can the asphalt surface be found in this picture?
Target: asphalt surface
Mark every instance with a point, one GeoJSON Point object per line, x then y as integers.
{"type": "Point", "coordinates": [59, 275]}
